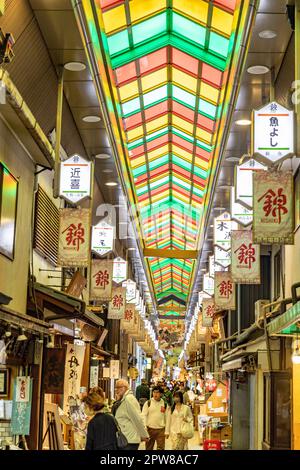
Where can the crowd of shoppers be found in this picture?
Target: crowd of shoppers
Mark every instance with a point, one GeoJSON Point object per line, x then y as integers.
{"type": "Point", "coordinates": [156, 412]}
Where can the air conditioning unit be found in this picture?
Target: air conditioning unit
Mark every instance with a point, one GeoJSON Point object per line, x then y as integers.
{"type": "Point", "coordinates": [259, 311]}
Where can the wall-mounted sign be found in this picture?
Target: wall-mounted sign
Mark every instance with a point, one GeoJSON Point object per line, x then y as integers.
{"type": "Point", "coordinates": [273, 132]}
{"type": "Point", "coordinates": [102, 238]}
{"type": "Point", "coordinates": [101, 279]}
{"type": "Point", "coordinates": [243, 181]}
{"type": "Point", "coordinates": [74, 237]}
{"type": "Point", "coordinates": [208, 284]}
{"type": "Point", "coordinates": [114, 369]}
{"type": "Point", "coordinates": [273, 211]}
{"type": "Point", "coordinates": [240, 213]}
{"type": "Point", "coordinates": [222, 257]}
{"type": "Point", "coordinates": [75, 179]}
{"type": "Point", "coordinates": [116, 308]}
{"type": "Point", "coordinates": [208, 312]}
{"type": "Point", "coordinates": [224, 291]}
{"type": "Point", "coordinates": [21, 409]}
{"type": "Point", "coordinates": [222, 229]}
{"type": "Point", "coordinates": [245, 266]}
{"type": "Point", "coordinates": [120, 270]}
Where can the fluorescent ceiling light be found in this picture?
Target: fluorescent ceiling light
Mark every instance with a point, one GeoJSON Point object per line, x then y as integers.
{"type": "Point", "coordinates": [75, 66]}
{"type": "Point", "coordinates": [91, 118]}
{"type": "Point", "coordinates": [267, 34]}
{"type": "Point", "coordinates": [243, 122]}
{"type": "Point", "coordinates": [102, 156]}
{"type": "Point", "coordinates": [111, 183]}
{"type": "Point", "coordinates": [258, 69]}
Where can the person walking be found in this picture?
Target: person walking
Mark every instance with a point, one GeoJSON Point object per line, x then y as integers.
{"type": "Point", "coordinates": [154, 413]}
{"type": "Point", "coordinates": [142, 393]}
{"type": "Point", "coordinates": [179, 415]}
{"type": "Point", "coordinates": [167, 395]}
{"type": "Point", "coordinates": [128, 415]}
{"type": "Point", "coordinates": [102, 429]}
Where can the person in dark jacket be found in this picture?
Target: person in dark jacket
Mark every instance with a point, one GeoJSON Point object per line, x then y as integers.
{"type": "Point", "coordinates": [102, 429]}
{"type": "Point", "coordinates": [142, 393]}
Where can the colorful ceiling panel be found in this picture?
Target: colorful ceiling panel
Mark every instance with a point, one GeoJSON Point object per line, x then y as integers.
{"type": "Point", "coordinates": [167, 65]}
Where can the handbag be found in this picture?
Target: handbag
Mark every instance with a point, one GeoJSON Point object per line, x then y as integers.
{"type": "Point", "coordinates": [187, 430]}
{"type": "Point", "coordinates": [121, 438]}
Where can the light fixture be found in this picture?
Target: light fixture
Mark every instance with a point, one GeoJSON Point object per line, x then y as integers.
{"type": "Point", "coordinates": [267, 34]}
{"type": "Point", "coordinates": [51, 344]}
{"type": "Point", "coordinates": [296, 356]}
{"type": "Point", "coordinates": [41, 339]}
{"type": "Point", "coordinates": [91, 118]}
{"type": "Point", "coordinates": [75, 66]}
{"type": "Point", "coordinates": [8, 332]}
{"type": "Point", "coordinates": [102, 156]}
{"type": "Point", "coordinates": [107, 170]}
{"type": "Point", "coordinates": [258, 69]}
{"type": "Point", "coordinates": [217, 208]}
{"type": "Point", "coordinates": [243, 122]}
{"type": "Point", "coordinates": [22, 336]}
{"type": "Point", "coordinates": [111, 183]}
{"type": "Point", "coordinates": [131, 249]}
{"type": "Point", "coordinates": [232, 159]}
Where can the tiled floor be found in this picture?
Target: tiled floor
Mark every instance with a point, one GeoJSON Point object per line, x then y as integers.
{"type": "Point", "coordinates": [193, 443]}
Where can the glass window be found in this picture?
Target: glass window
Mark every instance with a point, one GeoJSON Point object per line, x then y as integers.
{"type": "Point", "coordinates": [149, 28]}
{"type": "Point", "coordinates": [8, 211]}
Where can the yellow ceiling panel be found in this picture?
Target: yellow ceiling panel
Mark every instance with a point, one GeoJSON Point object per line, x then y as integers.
{"type": "Point", "coordinates": [210, 93]}
{"type": "Point", "coordinates": [154, 79]}
{"type": "Point", "coordinates": [157, 123]}
{"type": "Point", "coordinates": [114, 19]}
{"type": "Point", "coordinates": [134, 133]}
{"type": "Point", "coordinates": [222, 21]}
{"type": "Point", "coordinates": [197, 9]}
{"type": "Point", "coordinates": [141, 8]}
{"type": "Point", "coordinates": [184, 80]}
{"type": "Point", "coordinates": [129, 91]}
{"type": "Point", "coordinates": [182, 124]}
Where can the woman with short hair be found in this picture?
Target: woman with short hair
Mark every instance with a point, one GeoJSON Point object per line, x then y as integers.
{"type": "Point", "coordinates": [102, 428]}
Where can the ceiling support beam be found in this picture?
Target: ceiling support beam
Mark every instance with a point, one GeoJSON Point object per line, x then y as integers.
{"type": "Point", "coordinates": [177, 254]}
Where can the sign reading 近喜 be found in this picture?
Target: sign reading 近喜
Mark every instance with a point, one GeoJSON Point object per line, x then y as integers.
{"type": "Point", "coordinates": [75, 179]}
{"type": "Point", "coordinates": [273, 132]}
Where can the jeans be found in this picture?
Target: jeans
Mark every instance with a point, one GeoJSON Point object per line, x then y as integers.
{"type": "Point", "coordinates": [131, 447]}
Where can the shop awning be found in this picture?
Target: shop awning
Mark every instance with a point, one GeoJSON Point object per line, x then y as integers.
{"type": "Point", "coordinates": [22, 320]}
{"type": "Point", "coordinates": [287, 324]}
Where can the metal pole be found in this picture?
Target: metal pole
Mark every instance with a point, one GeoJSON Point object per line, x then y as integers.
{"type": "Point", "coordinates": [297, 73]}
{"type": "Point", "coordinates": [239, 309]}
{"type": "Point", "coordinates": [229, 327]}
{"type": "Point", "coordinates": [59, 112]}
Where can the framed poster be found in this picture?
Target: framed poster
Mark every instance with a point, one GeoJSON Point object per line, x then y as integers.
{"type": "Point", "coordinates": [4, 382]}
{"type": "Point", "coordinates": [8, 211]}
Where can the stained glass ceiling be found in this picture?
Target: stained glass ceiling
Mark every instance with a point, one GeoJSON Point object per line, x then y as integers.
{"type": "Point", "coordinates": [165, 69]}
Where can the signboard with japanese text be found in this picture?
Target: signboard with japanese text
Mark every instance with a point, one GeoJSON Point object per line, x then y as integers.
{"type": "Point", "coordinates": [273, 132]}
{"type": "Point", "coordinates": [75, 179]}
{"type": "Point", "coordinates": [21, 409]}
{"type": "Point", "coordinates": [245, 266]}
{"type": "Point", "coordinates": [208, 312]}
{"type": "Point", "coordinates": [208, 284]}
{"type": "Point", "coordinates": [116, 308]}
{"type": "Point", "coordinates": [222, 229]}
{"type": "Point", "coordinates": [243, 181]}
{"type": "Point", "coordinates": [94, 376]}
{"type": "Point", "coordinates": [239, 213]}
{"type": "Point", "coordinates": [73, 371]}
{"type": "Point", "coordinates": [224, 291]}
{"type": "Point", "coordinates": [130, 321]}
{"type": "Point", "coordinates": [202, 295]}
{"type": "Point", "coordinates": [120, 270]}
{"type": "Point", "coordinates": [101, 279]}
{"type": "Point", "coordinates": [130, 290]}
{"type": "Point", "coordinates": [74, 237]}
{"type": "Point", "coordinates": [102, 238]}
{"type": "Point", "coordinates": [114, 369]}
{"type": "Point", "coordinates": [214, 267]}
{"type": "Point", "coordinates": [274, 219]}
{"type": "Point", "coordinates": [222, 257]}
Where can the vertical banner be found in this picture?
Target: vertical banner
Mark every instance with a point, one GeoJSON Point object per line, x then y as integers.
{"type": "Point", "coordinates": [101, 279]}
{"type": "Point", "coordinates": [120, 270]}
{"type": "Point", "coordinates": [208, 312]}
{"type": "Point", "coordinates": [54, 370]}
{"type": "Point", "coordinates": [208, 284]}
{"type": "Point", "coordinates": [273, 207]}
{"type": "Point", "coordinates": [94, 375]}
{"type": "Point", "coordinates": [128, 322]}
{"type": "Point", "coordinates": [130, 290]}
{"type": "Point", "coordinates": [222, 229]}
{"type": "Point", "coordinates": [224, 291]}
{"type": "Point", "coordinates": [114, 369]}
{"type": "Point", "coordinates": [245, 266]}
{"type": "Point", "coordinates": [222, 257]}
{"type": "Point", "coordinates": [21, 406]}
{"type": "Point", "coordinates": [116, 308]}
{"type": "Point", "coordinates": [73, 371]}
{"type": "Point", "coordinates": [74, 237]}
{"type": "Point", "coordinates": [102, 238]}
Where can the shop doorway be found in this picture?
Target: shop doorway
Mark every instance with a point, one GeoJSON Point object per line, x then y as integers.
{"type": "Point", "coordinates": [240, 406]}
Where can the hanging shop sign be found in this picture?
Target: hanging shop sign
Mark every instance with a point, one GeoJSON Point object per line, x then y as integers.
{"type": "Point", "coordinates": [21, 406]}
{"type": "Point", "coordinates": [129, 322]}
{"type": "Point", "coordinates": [224, 291]}
{"type": "Point", "coordinates": [245, 265]}
{"type": "Point", "coordinates": [243, 182]}
{"type": "Point", "coordinates": [214, 267]}
{"type": "Point", "coordinates": [208, 284]}
{"type": "Point", "coordinates": [102, 238]}
{"type": "Point", "coordinates": [202, 295]}
{"type": "Point", "coordinates": [114, 369]}
{"type": "Point", "coordinates": [54, 370]}
{"type": "Point", "coordinates": [239, 213]}
{"type": "Point", "coordinates": [94, 375]}
{"type": "Point", "coordinates": [130, 290]}
{"type": "Point", "coordinates": [75, 179]}
{"type": "Point", "coordinates": [101, 279]}
{"type": "Point", "coordinates": [273, 207]}
{"type": "Point", "coordinates": [222, 229]}
{"type": "Point", "coordinates": [73, 370]}
{"type": "Point", "coordinates": [208, 312]}
{"type": "Point", "coordinates": [222, 257]}
{"type": "Point", "coordinates": [273, 132]}
{"type": "Point", "coordinates": [120, 270]}
{"type": "Point", "coordinates": [116, 308]}
{"type": "Point", "coordinates": [74, 237]}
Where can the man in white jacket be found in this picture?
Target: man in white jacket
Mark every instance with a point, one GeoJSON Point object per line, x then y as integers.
{"type": "Point", "coordinates": [154, 413]}
{"type": "Point", "coordinates": [128, 414]}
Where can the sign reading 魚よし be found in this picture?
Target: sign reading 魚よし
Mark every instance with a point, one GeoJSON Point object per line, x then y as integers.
{"type": "Point", "coordinates": [245, 264]}
{"type": "Point", "coordinates": [273, 207]}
